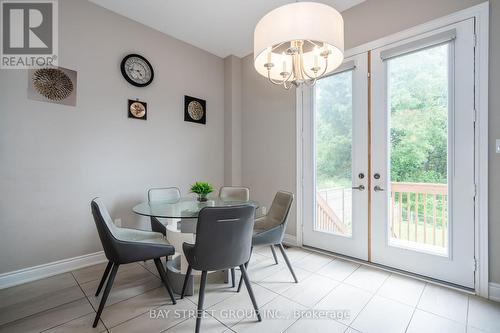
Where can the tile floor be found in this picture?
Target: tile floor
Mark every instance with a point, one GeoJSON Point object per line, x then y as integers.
{"type": "Point", "coordinates": [375, 301]}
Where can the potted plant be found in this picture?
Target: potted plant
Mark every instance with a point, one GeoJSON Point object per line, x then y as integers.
{"type": "Point", "coordinates": [202, 189]}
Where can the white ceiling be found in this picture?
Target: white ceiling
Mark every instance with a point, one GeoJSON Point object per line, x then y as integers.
{"type": "Point", "coordinates": [221, 27]}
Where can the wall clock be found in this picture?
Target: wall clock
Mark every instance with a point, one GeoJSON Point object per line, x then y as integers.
{"type": "Point", "coordinates": [137, 70]}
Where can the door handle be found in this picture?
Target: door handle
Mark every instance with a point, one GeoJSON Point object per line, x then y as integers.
{"type": "Point", "coordinates": [378, 188]}
{"type": "Point", "coordinates": [360, 187]}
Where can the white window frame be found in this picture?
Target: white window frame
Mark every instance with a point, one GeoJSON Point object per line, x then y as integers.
{"type": "Point", "coordinates": [480, 13]}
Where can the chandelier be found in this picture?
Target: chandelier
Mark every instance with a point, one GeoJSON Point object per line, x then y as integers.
{"type": "Point", "coordinates": [299, 43]}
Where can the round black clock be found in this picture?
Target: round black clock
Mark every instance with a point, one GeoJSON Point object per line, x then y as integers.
{"type": "Point", "coordinates": [137, 70]}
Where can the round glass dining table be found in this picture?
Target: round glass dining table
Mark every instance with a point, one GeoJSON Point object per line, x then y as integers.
{"type": "Point", "coordinates": [181, 217]}
{"type": "Point", "coordinates": [184, 208]}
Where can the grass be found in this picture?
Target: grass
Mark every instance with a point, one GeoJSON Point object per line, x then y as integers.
{"type": "Point", "coordinates": [419, 238]}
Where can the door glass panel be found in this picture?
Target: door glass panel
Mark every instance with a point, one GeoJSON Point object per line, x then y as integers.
{"type": "Point", "coordinates": [418, 121]}
{"type": "Point", "coordinates": [333, 154]}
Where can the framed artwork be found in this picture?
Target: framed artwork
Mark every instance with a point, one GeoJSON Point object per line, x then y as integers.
{"type": "Point", "coordinates": [52, 85]}
{"type": "Point", "coordinates": [137, 109]}
{"type": "Point", "coordinates": [195, 110]}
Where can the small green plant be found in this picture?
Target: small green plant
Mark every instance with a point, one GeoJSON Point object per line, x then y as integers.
{"type": "Point", "coordinates": [202, 189]}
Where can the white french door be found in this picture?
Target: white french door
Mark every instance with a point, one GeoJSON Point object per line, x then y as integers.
{"type": "Point", "coordinates": [335, 146]}
{"type": "Point", "coordinates": [423, 154]}
{"type": "Point", "coordinates": [413, 209]}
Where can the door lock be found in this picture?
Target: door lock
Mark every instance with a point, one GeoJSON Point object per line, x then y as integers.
{"type": "Point", "coordinates": [361, 175]}
{"type": "Point", "coordinates": [376, 176]}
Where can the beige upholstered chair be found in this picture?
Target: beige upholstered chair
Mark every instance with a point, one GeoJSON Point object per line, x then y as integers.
{"type": "Point", "coordinates": [234, 193]}
{"type": "Point", "coordinates": [270, 229]}
{"type": "Point", "coordinates": [159, 195]}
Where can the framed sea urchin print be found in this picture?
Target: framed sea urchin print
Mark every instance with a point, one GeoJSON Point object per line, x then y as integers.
{"type": "Point", "coordinates": [137, 109]}
{"type": "Point", "coordinates": [195, 110]}
{"type": "Point", "coordinates": [52, 85]}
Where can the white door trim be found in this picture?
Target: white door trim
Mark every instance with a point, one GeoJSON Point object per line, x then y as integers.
{"type": "Point", "coordinates": [299, 106]}
{"type": "Point", "coordinates": [481, 14]}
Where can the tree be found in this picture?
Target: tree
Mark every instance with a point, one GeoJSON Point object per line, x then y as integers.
{"type": "Point", "coordinates": [334, 130]}
{"type": "Point", "coordinates": [418, 95]}
{"type": "Point", "coordinates": [419, 116]}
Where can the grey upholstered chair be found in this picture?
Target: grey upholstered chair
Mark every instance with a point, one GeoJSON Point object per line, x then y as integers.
{"type": "Point", "coordinates": [159, 195]}
{"type": "Point", "coordinates": [223, 241]}
{"type": "Point", "coordinates": [270, 229]}
{"type": "Point", "coordinates": [124, 246]}
{"type": "Point", "coordinates": [234, 193]}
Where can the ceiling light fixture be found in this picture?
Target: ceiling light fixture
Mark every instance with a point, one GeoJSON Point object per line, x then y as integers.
{"type": "Point", "coordinates": [299, 43]}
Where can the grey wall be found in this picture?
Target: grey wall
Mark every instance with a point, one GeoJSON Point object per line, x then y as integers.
{"type": "Point", "coordinates": [232, 121]}
{"type": "Point", "coordinates": [54, 159]}
{"type": "Point", "coordinates": [268, 139]}
{"type": "Point", "coordinates": [269, 112]}
{"type": "Point", "coordinates": [374, 19]}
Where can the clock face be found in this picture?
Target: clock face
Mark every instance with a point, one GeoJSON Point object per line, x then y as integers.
{"type": "Point", "coordinates": [137, 70]}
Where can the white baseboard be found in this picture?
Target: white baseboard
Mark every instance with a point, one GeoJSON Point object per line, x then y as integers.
{"type": "Point", "coordinates": [24, 275]}
{"type": "Point", "coordinates": [290, 240]}
{"type": "Point", "coordinates": [494, 291]}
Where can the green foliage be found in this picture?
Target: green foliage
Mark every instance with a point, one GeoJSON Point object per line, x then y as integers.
{"type": "Point", "coordinates": [419, 116]}
{"type": "Point", "coordinates": [418, 121]}
{"type": "Point", "coordinates": [334, 130]}
{"type": "Point", "coordinates": [202, 188]}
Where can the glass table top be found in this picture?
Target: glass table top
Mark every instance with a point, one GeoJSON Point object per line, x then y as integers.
{"type": "Point", "coordinates": [186, 207]}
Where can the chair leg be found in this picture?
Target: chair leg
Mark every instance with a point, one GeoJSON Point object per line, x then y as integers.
{"type": "Point", "coordinates": [111, 279]}
{"type": "Point", "coordinates": [201, 299]}
{"type": "Point", "coordinates": [241, 280]}
{"type": "Point", "coordinates": [250, 291]}
{"type": "Point", "coordinates": [241, 277]}
{"type": "Point", "coordinates": [233, 277]}
{"type": "Point", "coordinates": [274, 254]}
{"type": "Point", "coordinates": [287, 262]}
{"type": "Point", "coordinates": [104, 277]}
{"type": "Point", "coordinates": [164, 278]}
{"type": "Point", "coordinates": [186, 278]}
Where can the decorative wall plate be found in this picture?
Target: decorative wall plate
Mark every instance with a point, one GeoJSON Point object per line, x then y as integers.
{"type": "Point", "coordinates": [137, 70]}
{"type": "Point", "coordinates": [195, 110]}
{"type": "Point", "coordinates": [137, 109]}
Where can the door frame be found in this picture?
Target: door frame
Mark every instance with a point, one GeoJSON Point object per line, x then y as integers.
{"type": "Point", "coordinates": [480, 13]}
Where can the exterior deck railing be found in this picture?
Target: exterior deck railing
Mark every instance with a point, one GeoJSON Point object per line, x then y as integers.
{"type": "Point", "coordinates": [418, 212]}
{"type": "Point", "coordinates": [326, 219]}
